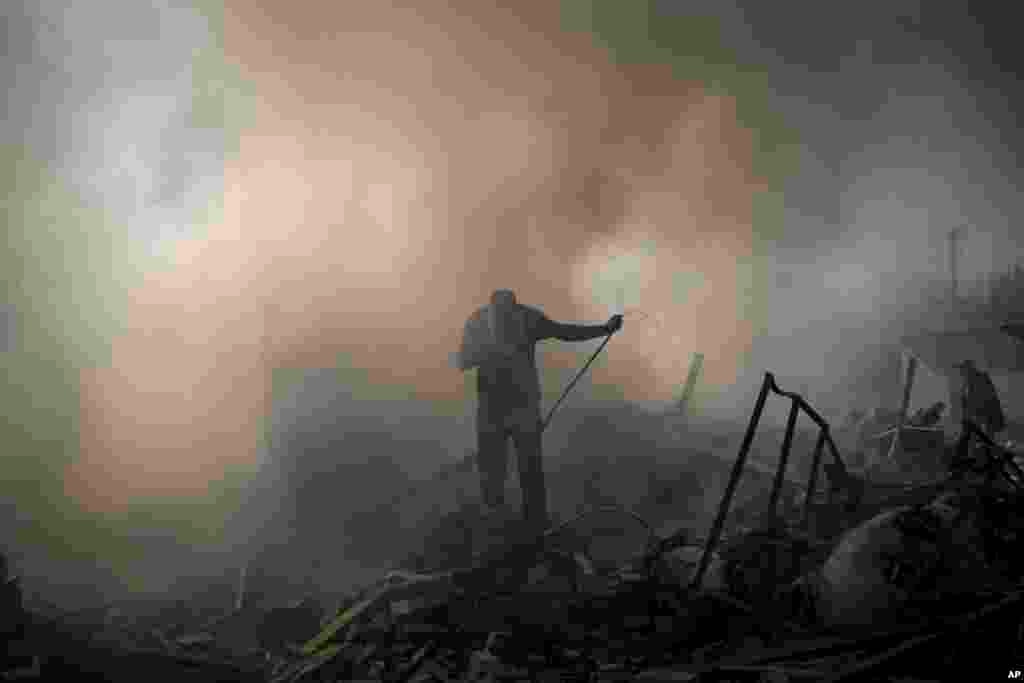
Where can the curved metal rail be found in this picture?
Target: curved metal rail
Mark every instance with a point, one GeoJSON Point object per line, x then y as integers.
{"type": "Point", "coordinates": [797, 405]}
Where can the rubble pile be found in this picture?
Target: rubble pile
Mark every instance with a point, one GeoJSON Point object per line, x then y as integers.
{"type": "Point", "coordinates": [774, 605]}
{"type": "Point", "coordinates": [922, 572]}
{"type": "Point", "coordinates": [891, 582]}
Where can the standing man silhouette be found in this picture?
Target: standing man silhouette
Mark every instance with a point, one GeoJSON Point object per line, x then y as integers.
{"type": "Point", "coordinates": [500, 340]}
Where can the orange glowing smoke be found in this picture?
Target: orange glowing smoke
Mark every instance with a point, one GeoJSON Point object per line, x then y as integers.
{"type": "Point", "coordinates": [404, 163]}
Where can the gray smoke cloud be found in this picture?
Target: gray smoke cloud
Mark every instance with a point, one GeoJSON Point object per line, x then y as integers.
{"type": "Point", "coordinates": [102, 93]}
{"type": "Point", "coordinates": [905, 128]}
{"type": "Point", "coordinates": [901, 141]}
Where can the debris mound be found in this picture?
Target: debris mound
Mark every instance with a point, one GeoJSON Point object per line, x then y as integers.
{"type": "Point", "coordinates": [846, 579]}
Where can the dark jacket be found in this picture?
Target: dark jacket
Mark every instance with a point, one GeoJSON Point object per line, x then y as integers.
{"type": "Point", "coordinates": [501, 342]}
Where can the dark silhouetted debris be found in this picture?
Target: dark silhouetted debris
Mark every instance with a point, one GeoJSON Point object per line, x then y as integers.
{"type": "Point", "coordinates": [979, 399]}
{"type": "Point", "coordinates": [928, 417]}
{"type": "Point", "coordinates": [798, 592]}
{"type": "Point", "coordinates": [850, 578]}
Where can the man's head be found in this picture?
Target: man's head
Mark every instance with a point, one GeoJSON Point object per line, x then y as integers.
{"type": "Point", "coordinates": [503, 297]}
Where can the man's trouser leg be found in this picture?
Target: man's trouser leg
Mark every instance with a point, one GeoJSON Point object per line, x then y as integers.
{"type": "Point", "coordinates": [491, 460]}
{"type": "Point", "coordinates": [527, 440]}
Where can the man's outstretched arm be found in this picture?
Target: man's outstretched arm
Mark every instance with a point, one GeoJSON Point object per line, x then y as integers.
{"type": "Point", "coordinates": [570, 332]}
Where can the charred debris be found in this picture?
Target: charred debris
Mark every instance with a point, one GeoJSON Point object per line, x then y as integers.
{"type": "Point", "coordinates": [902, 561]}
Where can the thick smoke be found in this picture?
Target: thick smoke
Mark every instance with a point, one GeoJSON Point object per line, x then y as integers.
{"type": "Point", "coordinates": [389, 167]}
{"type": "Point", "coordinates": [336, 186]}
{"type": "Point", "coordinates": [398, 166]}
{"type": "Point", "coordinates": [906, 133]}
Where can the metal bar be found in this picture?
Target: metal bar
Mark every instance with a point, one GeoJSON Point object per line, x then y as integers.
{"type": "Point", "coordinates": [240, 586]}
{"type": "Point", "coordinates": [908, 386]}
{"type": "Point", "coordinates": [734, 477]}
{"type": "Point", "coordinates": [696, 365]}
{"type": "Point", "coordinates": [954, 236]}
{"type": "Point", "coordinates": [812, 479]}
{"type": "Point", "coordinates": [833, 450]}
{"type": "Point", "coordinates": [895, 443]}
{"type": "Point", "coordinates": [417, 662]}
{"type": "Point", "coordinates": [579, 374]}
{"type": "Point", "coordinates": [839, 461]}
{"type": "Point", "coordinates": [787, 446]}
{"type": "Point", "coordinates": [811, 413]}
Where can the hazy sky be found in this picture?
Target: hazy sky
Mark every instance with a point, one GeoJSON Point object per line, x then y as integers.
{"type": "Point", "coordinates": [263, 189]}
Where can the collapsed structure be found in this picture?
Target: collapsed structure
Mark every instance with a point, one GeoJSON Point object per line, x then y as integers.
{"type": "Point", "coordinates": [852, 579]}
{"type": "Point", "coordinates": [893, 550]}
{"type": "Point", "coordinates": [844, 579]}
